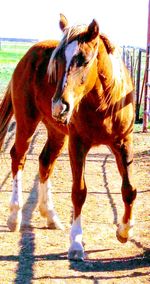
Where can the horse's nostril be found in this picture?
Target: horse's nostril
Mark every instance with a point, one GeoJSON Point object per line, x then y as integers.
{"type": "Point", "coordinates": [60, 109]}
{"type": "Point", "coordinates": [66, 107]}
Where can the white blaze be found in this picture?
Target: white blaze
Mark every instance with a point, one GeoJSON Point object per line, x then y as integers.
{"type": "Point", "coordinates": [71, 49]}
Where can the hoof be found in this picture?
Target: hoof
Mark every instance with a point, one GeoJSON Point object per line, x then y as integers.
{"type": "Point", "coordinates": [53, 221]}
{"type": "Point", "coordinates": [125, 232]}
{"type": "Point", "coordinates": [76, 255]}
{"type": "Point", "coordinates": [120, 238]}
{"type": "Point", "coordinates": [55, 224]}
{"type": "Point", "coordinates": [14, 223]}
{"type": "Point", "coordinates": [76, 251]}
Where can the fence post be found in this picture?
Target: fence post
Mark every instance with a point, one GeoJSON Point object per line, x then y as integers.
{"type": "Point", "coordinates": [138, 86]}
{"type": "Point", "coordinates": [147, 79]}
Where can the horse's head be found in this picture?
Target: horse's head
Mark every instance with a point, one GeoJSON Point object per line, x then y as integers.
{"type": "Point", "coordinates": [73, 67]}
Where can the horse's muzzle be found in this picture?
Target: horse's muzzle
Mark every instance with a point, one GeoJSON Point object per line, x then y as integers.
{"type": "Point", "coordinates": [60, 110]}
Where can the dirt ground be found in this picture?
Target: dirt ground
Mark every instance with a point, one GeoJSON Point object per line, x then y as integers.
{"type": "Point", "coordinates": [39, 255]}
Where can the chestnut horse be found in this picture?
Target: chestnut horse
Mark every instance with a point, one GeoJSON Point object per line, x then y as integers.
{"type": "Point", "coordinates": [94, 96]}
{"type": "Point", "coordinates": [92, 93]}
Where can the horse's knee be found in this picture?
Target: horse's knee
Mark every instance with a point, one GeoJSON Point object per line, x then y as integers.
{"type": "Point", "coordinates": [13, 153]}
{"type": "Point", "coordinates": [128, 194]}
{"type": "Point", "coordinates": [78, 199]}
{"type": "Point", "coordinates": [18, 160]}
{"type": "Point", "coordinates": [47, 160]}
{"type": "Point", "coordinates": [44, 165]}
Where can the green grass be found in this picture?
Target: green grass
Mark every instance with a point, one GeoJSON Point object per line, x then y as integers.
{"type": "Point", "coordinates": [6, 71]}
{"type": "Point", "coordinates": [7, 57]}
{"type": "Point", "coordinates": [10, 55]}
{"type": "Point", "coordinates": [10, 52]}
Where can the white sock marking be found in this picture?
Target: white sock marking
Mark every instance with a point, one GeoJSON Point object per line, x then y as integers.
{"type": "Point", "coordinates": [76, 231]}
{"type": "Point", "coordinates": [16, 198]}
{"type": "Point", "coordinates": [45, 195]}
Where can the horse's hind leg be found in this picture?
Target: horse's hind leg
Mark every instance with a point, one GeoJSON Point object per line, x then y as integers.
{"type": "Point", "coordinates": [49, 154]}
{"type": "Point", "coordinates": [18, 156]}
{"type": "Point", "coordinates": [124, 157]}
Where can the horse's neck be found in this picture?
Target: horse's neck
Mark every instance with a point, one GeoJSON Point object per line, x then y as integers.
{"type": "Point", "coordinates": [113, 80]}
{"type": "Point", "coordinates": [105, 68]}
{"type": "Point", "coordinates": [104, 82]}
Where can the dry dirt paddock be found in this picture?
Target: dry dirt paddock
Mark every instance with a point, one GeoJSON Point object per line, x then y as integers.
{"type": "Point", "coordinates": [39, 255]}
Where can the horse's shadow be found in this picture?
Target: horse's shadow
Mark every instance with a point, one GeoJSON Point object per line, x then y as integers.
{"type": "Point", "coordinates": [26, 259]}
{"type": "Point", "coordinates": [102, 264]}
{"type": "Point", "coordinates": [112, 264]}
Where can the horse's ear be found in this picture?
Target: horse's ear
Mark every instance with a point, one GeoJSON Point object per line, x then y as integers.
{"type": "Point", "coordinates": [92, 31]}
{"type": "Point", "coordinates": [63, 23]}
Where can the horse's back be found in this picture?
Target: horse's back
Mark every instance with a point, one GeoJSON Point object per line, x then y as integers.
{"type": "Point", "coordinates": [27, 67]}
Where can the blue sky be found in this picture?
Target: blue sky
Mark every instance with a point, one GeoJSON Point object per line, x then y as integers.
{"type": "Point", "coordinates": [125, 21]}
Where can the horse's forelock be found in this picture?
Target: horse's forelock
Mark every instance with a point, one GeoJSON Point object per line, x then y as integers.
{"type": "Point", "coordinates": [52, 66]}
{"type": "Point", "coordinates": [74, 31]}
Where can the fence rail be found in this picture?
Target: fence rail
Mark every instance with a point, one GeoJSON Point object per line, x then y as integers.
{"type": "Point", "coordinates": [16, 40]}
{"type": "Point", "coordinates": [11, 39]}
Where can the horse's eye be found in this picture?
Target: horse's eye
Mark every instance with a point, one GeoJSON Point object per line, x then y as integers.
{"type": "Point", "coordinates": [81, 60]}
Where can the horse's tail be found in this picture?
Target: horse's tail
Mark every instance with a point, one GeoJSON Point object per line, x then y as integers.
{"type": "Point", "coordinates": [6, 112]}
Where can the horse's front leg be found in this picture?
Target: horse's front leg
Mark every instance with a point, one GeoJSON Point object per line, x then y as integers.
{"type": "Point", "coordinates": [124, 157]}
{"type": "Point", "coordinates": [47, 159]}
{"type": "Point", "coordinates": [77, 152]}
{"type": "Point", "coordinates": [46, 205]}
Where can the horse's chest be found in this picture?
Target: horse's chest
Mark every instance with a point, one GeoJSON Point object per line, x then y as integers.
{"type": "Point", "coordinates": [93, 127]}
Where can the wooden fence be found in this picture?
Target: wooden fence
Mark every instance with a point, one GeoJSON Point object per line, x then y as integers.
{"type": "Point", "coordinates": [135, 60]}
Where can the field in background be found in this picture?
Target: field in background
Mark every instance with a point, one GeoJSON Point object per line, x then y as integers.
{"type": "Point", "coordinates": [10, 54]}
